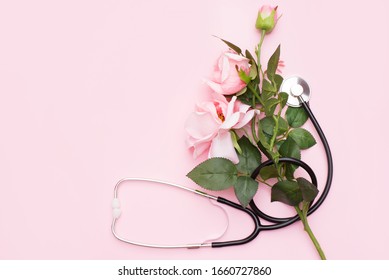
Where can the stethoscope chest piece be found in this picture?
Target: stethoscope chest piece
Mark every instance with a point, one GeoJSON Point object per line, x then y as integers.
{"type": "Point", "coordinates": [297, 89]}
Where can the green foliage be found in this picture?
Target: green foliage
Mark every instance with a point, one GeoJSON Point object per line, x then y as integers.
{"type": "Point", "coordinates": [303, 138]}
{"type": "Point", "coordinates": [293, 193]}
{"type": "Point", "coordinates": [243, 76]}
{"type": "Point", "coordinates": [296, 117]}
{"type": "Point", "coordinates": [215, 174]}
{"type": "Point", "coordinates": [289, 148]}
{"type": "Point", "coordinates": [268, 172]}
{"type": "Point", "coordinates": [263, 143]}
{"type": "Point", "coordinates": [253, 72]}
{"type": "Point", "coordinates": [287, 192]}
{"type": "Point", "coordinates": [245, 189]}
{"type": "Point", "coordinates": [309, 191]}
{"type": "Point", "coordinates": [247, 96]}
{"type": "Point", "coordinates": [270, 106]}
{"type": "Point", "coordinates": [249, 158]}
{"type": "Point", "coordinates": [252, 59]}
{"type": "Point", "coordinates": [231, 46]}
{"type": "Point", "coordinates": [278, 81]}
{"type": "Point", "coordinates": [242, 91]}
{"type": "Point", "coordinates": [267, 125]}
{"type": "Point", "coordinates": [267, 86]}
{"type": "Point", "coordinates": [283, 97]}
{"type": "Point", "coordinates": [273, 64]}
{"type": "Point", "coordinates": [234, 139]}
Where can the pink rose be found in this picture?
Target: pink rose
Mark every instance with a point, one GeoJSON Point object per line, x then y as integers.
{"type": "Point", "coordinates": [209, 127]}
{"type": "Point", "coordinates": [225, 79]}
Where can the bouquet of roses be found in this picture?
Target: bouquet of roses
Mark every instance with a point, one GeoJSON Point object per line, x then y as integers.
{"type": "Point", "coordinates": [247, 119]}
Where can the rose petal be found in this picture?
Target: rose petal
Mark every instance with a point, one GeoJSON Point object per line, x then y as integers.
{"type": "Point", "coordinates": [230, 108]}
{"type": "Point", "coordinates": [222, 146]}
{"type": "Point", "coordinates": [266, 11]}
{"type": "Point", "coordinates": [225, 69]}
{"type": "Point", "coordinates": [209, 107]}
{"type": "Point", "coordinates": [236, 57]}
{"type": "Point", "coordinates": [201, 125]}
{"type": "Point", "coordinates": [243, 108]}
{"type": "Point", "coordinates": [232, 85]}
{"type": "Point", "coordinates": [214, 86]}
{"type": "Point", "coordinates": [200, 148]}
{"type": "Point", "coordinates": [245, 120]}
{"type": "Point", "coordinates": [231, 121]}
{"type": "Point", "coordinates": [219, 97]}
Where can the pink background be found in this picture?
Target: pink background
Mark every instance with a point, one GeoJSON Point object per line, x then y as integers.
{"type": "Point", "coordinates": [93, 91]}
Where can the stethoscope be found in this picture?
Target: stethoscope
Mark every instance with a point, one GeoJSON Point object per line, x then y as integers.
{"type": "Point", "coordinates": [299, 95]}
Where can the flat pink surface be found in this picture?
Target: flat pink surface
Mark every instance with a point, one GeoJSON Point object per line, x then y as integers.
{"type": "Point", "coordinates": [93, 91]}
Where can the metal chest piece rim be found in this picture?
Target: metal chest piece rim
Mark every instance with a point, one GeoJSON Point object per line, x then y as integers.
{"type": "Point", "coordinates": [297, 89]}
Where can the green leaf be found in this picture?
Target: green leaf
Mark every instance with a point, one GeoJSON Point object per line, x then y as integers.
{"type": "Point", "coordinates": [303, 138]}
{"type": "Point", "coordinates": [264, 138]}
{"type": "Point", "coordinates": [309, 191]}
{"type": "Point", "coordinates": [253, 69]}
{"type": "Point", "coordinates": [267, 86]}
{"type": "Point", "coordinates": [215, 174]}
{"type": "Point", "coordinates": [289, 148]}
{"type": "Point", "coordinates": [275, 156]}
{"type": "Point", "coordinates": [234, 138]}
{"type": "Point", "coordinates": [249, 158]}
{"type": "Point", "coordinates": [231, 46]}
{"type": "Point", "coordinates": [296, 117]}
{"type": "Point", "coordinates": [267, 125]}
{"type": "Point", "coordinates": [270, 106]}
{"type": "Point", "coordinates": [283, 97]}
{"type": "Point", "coordinates": [245, 188]}
{"type": "Point", "coordinates": [279, 143]}
{"type": "Point", "coordinates": [241, 92]}
{"type": "Point", "coordinates": [253, 72]}
{"type": "Point", "coordinates": [263, 143]}
{"type": "Point", "coordinates": [289, 171]}
{"type": "Point", "coordinates": [287, 192]}
{"type": "Point", "coordinates": [273, 63]}
{"type": "Point", "coordinates": [282, 126]}
{"type": "Point", "coordinates": [268, 172]}
{"type": "Point", "coordinates": [266, 95]}
{"type": "Point", "coordinates": [278, 81]}
{"type": "Point", "coordinates": [250, 56]}
{"type": "Point", "coordinates": [247, 96]}
{"type": "Point", "coordinates": [243, 76]}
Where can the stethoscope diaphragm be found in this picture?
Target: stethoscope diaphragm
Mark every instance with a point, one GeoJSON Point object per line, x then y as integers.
{"type": "Point", "coordinates": [297, 88]}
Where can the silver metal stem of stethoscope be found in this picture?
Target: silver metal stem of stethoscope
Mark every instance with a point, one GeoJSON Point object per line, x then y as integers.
{"type": "Point", "coordinates": [117, 212]}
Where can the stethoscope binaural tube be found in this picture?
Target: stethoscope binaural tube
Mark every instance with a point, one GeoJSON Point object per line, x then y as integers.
{"type": "Point", "coordinates": [283, 222]}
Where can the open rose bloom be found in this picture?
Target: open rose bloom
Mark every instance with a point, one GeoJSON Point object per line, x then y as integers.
{"type": "Point", "coordinates": [209, 126]}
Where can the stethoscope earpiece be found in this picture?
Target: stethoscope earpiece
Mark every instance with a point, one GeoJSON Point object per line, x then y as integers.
{"type": "Point", "coordinates": [297, 89]}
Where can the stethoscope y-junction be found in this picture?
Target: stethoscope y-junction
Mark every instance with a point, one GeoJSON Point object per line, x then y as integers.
{"type": "Point", "coordinates": [299, 95]}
